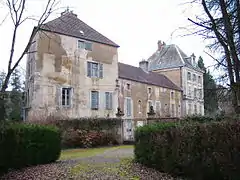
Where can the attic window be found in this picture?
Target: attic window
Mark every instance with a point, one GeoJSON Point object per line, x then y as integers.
{"type": "Point", "coordinates": [128, 86]}
{"type": "Point", "coordinates": [84, 45]}
{"type": "Point", "coordinates": [149, 90]}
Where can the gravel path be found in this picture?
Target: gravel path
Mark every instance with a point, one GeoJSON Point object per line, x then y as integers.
{"type": "Point", "coordinates": [115, 163]}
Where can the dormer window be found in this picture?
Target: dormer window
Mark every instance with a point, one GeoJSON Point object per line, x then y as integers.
{"type": "Point", "coordinates": [84, 45]}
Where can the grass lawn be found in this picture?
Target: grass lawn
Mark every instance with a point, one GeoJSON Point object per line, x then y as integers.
{"type": "Point", "coordinates": [88, 152]}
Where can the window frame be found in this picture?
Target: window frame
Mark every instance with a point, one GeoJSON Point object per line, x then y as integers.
{"type": "Point", "coordinates": [128, 113]}
{"type": "Point", "coordinates": [90, 72]}
{"type": "Point", "coordinates": [91, 99]}
{"type": "Point", "coordinates": [84, 45]}
{"type": "Point", "coordinates": [189, 76]}
{"type": "Point", "coordinates": [66, 105]}
{"type": "Point", "coordinates": [109, 97]}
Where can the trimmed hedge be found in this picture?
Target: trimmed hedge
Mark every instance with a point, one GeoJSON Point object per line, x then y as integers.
{"type": "Point", "coordinates": [87, 132]}
{"type": "Point", "coordinates": [24, 145]}
{"type": "Point", "coordinates": [199, 150]}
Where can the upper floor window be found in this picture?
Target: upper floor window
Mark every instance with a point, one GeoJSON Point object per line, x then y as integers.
{"type": "Point", "coordinates": [84, 45]}
{"type": "Point", "coordinates": [128, 86]}
{"type": "Point", "coordinates": [139, 106]}
{"type": "Point", "coordinates": [188, 76]}
{"type": "Point", "coordinates": [195, 92]}
{"type": "Point", "coordinates": [194, 77]}
{"type": "Point", "coordinates": [109, 100]}
{"type": "Point", "coordinates": [94, 99]}
{"type": "Point", "coordinates": [199, 79]}
{"type": "Point", "coordinates": [94, 69]}
{"type": "Point", "coordinates": [200, 94]}
{"type": "Point", "coordinates": [172, 94]}
{"type": "Point", "coordinates": [66, 97]}
{"type": "Point", "coordinates": [149, 90]}
{"type": "Point", "coordinates": [189, 91]}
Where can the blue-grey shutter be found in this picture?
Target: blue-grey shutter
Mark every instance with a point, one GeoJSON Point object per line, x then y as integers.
{"type": "Point", "coordinates": [101, 70]}
{"type": "Point", "coordinates": [89, 69]}
{"type": "Point", "coordinates": [110, 101]}
{"type": "Point", "coordinates": [97, 99]}
{"type": "Point", "coordinates": [106, 100]}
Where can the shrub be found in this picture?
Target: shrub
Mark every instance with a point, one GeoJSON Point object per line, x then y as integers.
{"type": "Point", "coordinates": [25, 145]}
{"type": "Point", "coordinates": [73, 138]}
{"type": "Point", "coordinates": [86, 132]}
{"type": "Point", "coordinates": [198, 150]}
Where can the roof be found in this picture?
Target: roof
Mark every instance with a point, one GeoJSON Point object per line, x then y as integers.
{"type": "Point", "coordinates": [69, 24]}
{"type": "Point", "coordinates": [170, 56]}
{"type": "Point", "coordinates": [137, 74]}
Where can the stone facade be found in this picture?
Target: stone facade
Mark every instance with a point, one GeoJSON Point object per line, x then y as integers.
{"type": "Point", "coordinates": [166, 102]}
{"type": "Point", "coordinates": [181, 69]}
{"type": "Point", "coordinates": [59, 63]}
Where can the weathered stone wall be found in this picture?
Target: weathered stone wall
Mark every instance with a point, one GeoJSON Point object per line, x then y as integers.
{"type": "Point", "coordinates": [140, 97]}
{"type": "Point", "coordinates": [59, 63]}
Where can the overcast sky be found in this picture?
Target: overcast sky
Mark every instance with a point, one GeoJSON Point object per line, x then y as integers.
{"type": "Point", "coordinates": [136, 25]}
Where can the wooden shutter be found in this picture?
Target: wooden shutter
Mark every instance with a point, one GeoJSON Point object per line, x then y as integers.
{"type": "Point", "coordinates": [107, 100]}
{"type": "Point", "coordinates": [89, 67]}
{"type": "Point", "coordinates": [110, 101]}
{"type": "Point", "coordinates": [101, 70]}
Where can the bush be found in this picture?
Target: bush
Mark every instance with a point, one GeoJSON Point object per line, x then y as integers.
{"type": "Point", "coordinates": [25, 145]}
{"type": "Point", "coordinates": [198, 150]}
{"type": "Point", "coordinates": [86, 132]}
{"type": "Point", "coordinates": [73, 138]}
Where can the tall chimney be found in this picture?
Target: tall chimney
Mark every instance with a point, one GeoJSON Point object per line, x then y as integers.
{"type": "Point", "coordinates": [160, 45]}
{"type": "Point", "coordinates": [144, 65]}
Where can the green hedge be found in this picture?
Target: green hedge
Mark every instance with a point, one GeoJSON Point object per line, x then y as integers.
{"type": "Point", "coordinates": [87, 132]}
{"type": "Point", "coordinates": [199, 150]}
{"type": "Point", "coordinates": [25, 145]}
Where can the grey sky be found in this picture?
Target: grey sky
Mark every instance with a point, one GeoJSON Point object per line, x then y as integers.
{"type": "Point", "coordinates": [135, 25]}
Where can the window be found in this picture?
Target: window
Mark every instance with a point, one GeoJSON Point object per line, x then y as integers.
{"type": "Point", "coordinates": [149, 105]}
{"type": "Point", "coordinates": [156, 92]}
{"type": "Point", "coordinates": [94, 69]}
{"type": "Point", "coordinates": [81, 44]}
{"type": "Point", "coordinates": [94, 99]}
{"type": "Point", "coordinates": [194, 77]}
{"type": "Point", "coordinates": [66, 97]}
{"type": "Point", "coordinates": [149, 90]}
{"type": "Point", "coordinates": [199, 79]}
{"type": "Point", "coordinates": [108, 100]}
{"type": "Point", "coordinates": [189, 76]}
{"type": "Point", "coordinates": [128, 86]}
{"type": "Point", "coordinates": [84, 45]}
{"type": "Point", "coordinates": [158, 108]}
{"type": "Point", "coordinates": [189, 91]}
{"type": "Point", "coordinates": [172, 95]}
{"type": "Point", "coordinates": [195, 109]}
{"type": "Point", "coordinates": [200, 94]}
{"type": "Point", "coordinates": [189, 108]}
{"type": "Point", "coordinates": [139, 106]}
{"type": "Point", "coordinates": [173, 110]}
{"type": "Point", "coordinates": [129, 107]}
{"type": "Point", "coordinates": [195, 92]}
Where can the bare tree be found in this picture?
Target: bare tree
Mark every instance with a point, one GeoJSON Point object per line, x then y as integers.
{"type": "Point", "coordinates": [16, 9]}
{"type": "Point", "coordinates": [220, 25]}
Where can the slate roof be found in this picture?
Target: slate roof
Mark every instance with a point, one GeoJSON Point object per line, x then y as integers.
{"type": "Point", "coordinates": [133, 73]}
{"type": "Point", "coordinates": [69, 24]}
{"type": "Point", "coordinates": [170, 56]}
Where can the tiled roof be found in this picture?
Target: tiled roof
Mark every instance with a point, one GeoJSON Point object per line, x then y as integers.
{"type": "Point", "coordinates": [69, 24]}
{"type": "Point", "coordinates": [137, 74]}
{"type": "Point", "coordinates": [170, 56]}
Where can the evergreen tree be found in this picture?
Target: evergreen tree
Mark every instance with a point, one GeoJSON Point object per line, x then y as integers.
{"type": "Point", "coordinates": [16, 96]}
{"type": "Point", "coordinates": [210, 90]}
